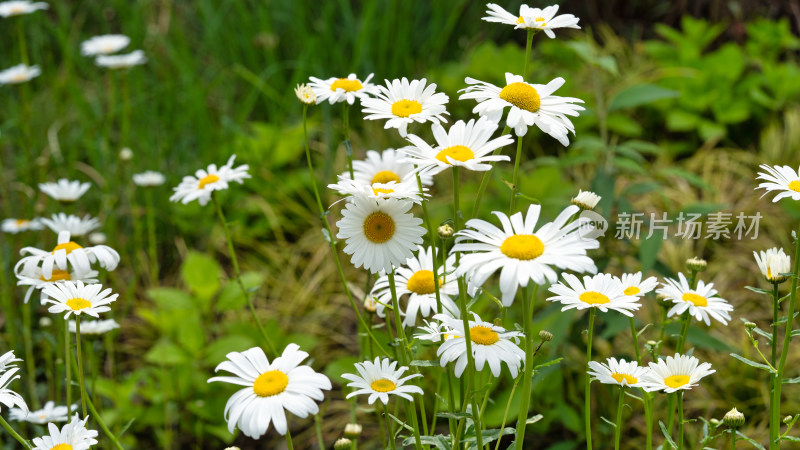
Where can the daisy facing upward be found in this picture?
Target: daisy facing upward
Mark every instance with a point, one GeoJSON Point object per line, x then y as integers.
{"type": "Point", "coordinates": [379, 379]}
{"type": "Point", "coordinates": [403, 102]}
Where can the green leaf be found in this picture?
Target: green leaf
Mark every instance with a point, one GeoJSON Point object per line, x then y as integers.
{"type": "Point", "coordinates": [787, 438]}
{"type": "Point", "coordinates": [216, 351]}
{"type": "Point", "coordinates": [547, 364]}
{"type": "Point", "coordinates": [167, 353]}
{"type": "Point", "coordinates": [171, 299]}
{"type": "Point", "coordinates": [640, 94]}
{"type": "Point", "coordinates": [791, 380]}
{"type": "Point", "coordinates": [201, 273]}
{"type": "Point", "coordinates": [341, 366]}
{"type": "Point", "coordinates": [752, 442]}
{"type": "Point", "coordinates": [758, 290]}
{"type": "Point", "coordinates": [649, 248]}
{"type": "Point", "coordinates": [454, 415]}
{"type": "Point", "coordinates": [613, 425]}
{"type": "Point", "coordinates": [231, 298]}
{"type": "Point", "coordinates": [666, 434]}
{"type": "Point", "coordinates": [753, 363]}
{"type": "Point", "coordinates": [424, 363]}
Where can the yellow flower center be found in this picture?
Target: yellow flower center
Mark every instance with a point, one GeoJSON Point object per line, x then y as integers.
{"type": "Point", "coordinates": [385, 176]}
{"type": "Point", "coordinates": [379, 227]}
{"type": "Point", "coordinates": [405, 108]}
{"type": "Point", "coordinates": [520, 19]}
{"type": "Point", "coordinates": [346, 84]}
{"type": "Point", "coordinates": [377, 191]}
{"type": "Point", "coordinates": [676, 381]}
{"type": "Point", "coordinates": [69, 247]}
{"type": "Point", "coordinates": [522, 95]}
{"type": "Point", "coordinates": [58, 275]}
{"type": "Point", "coordinates": [422, 282]}
{"type": "Point", "coordinates": [457, 152]}
{"type": "Point", "coordinates": [383, 385]}
{"type": "Point", "coordinates": [594, 298]}
{"type": "Point", "coordinates": [448, 336]}
{"type": "Point", "coordinates": [522, 246]}
{"type": "Point", "coordinates": [62, 447]}
{"type": "Point", "coordinates": [206, 180]}
{"type": "Point", "coordinates": [619, 377]}
{"type": "Point", "coordinates": [22, 222]}
{"type": "Point", "coordinates": [77, 304]}
{"type": "Point", "coordinates": [270, 383]}
{"type": "Point", "coordinates": [795, 185]}
{"type": "Point", "coordinates": [698, 300]}
{"type": "Point", "coordinates": [483, 335]}
{"type": "Point", "coordinates": [633, 290]}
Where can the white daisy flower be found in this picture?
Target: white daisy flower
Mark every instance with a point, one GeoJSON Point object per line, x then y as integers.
{"type": "Point", "coordinates": [20, 7]}
{"type": "Point", "coordinates": [78, 298]}
{"type": "Point", "coordinates": [674, 373]}
{"type": "Point", "coordinates": [32, 276]}
{"type": "Point", "coordinates": [148, 178]}
{"type": "Point", "coordinates": [104, 45]}
{"type": "Point", "coordinates": [431, 331]}
{"type": "Point", "coordinates": [702, 303]}
{"type": "Point", "coordinates": [405, 190]}
{"type": "Point", "coordinates": [15, 226]}
{"type": "Point", "coordinates": [529, 104]}
{"type": "Point", "coordinates": [67, 252]}
{"type": "Point", "coordinates": [8, 373]}
{"type": "Point", "coordinates": [602, 291]}
{"type": "Point", "coordinates": [532, 18]}
{"type": "Point", "coordinates": [72, 436]}
{"type": "Point", "coordinates": [65, 190]}
{"type": "Point", "coordinates": [336, 90]}
{"type": "Point", "coordinates": [7, 361]}
{"type": "Point", "coordinates": [305, 94]}
{"type": "Point", "coordinates": [415, 279]}
{"type": "Point", "coordinates": [94, 326]}
{"type": "Point", "coordinates": [75, 225]}
{"type": "Point", "coordinates": [379, 234]}
{"type": "Point", "coordinates": [19, 74]}
{"type": "Point", "coordinates": [404, 102]}
{"type": "Point", "coordinates": [491, 345]}
{"type": "Point", "coordinates": [270, 389]}
{"type": "Point", "coordinates": [379, 379]}
{"type": "Point", "coordinates": [384, 167]}
{"type": "Point", "coordinates": [633, 285]}
{"type": "Point", "coordinates": [522, 253]}
{"type": "Point", "coordinates": [200, 186]}
{"type": "Point", "coordinates": [780, 178]}
{"type": "Point", "coordinates": [773, 263]}
{"type": "Point", "coordinates": [620, 372]}
{"type": "Point", "coordinates": [49, 414]}
{"type": "Point", "coordinates": [135, 58]}
{"type": "Point", "coordinates": [586, 200]}
{"type": "Point", "coordinates": [464, 145]}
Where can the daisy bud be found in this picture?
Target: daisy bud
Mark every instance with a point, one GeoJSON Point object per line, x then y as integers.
{"type": "Point", "coordinates": [787, 419]}
{"type": "Point", "coordinates": [715, 422]}
{"type": "Point", "coordinates": [233, 448]}
{"type": "Point", "coordinates": [343, 444]}
{"type": "Point", "coordinates": [352, 430]}
{"type": "Point", "coordinates": [586, 200]}
{"type": "Point", "coordinates": [370, 304]}
{"type": "Point", "coordinates": [749, 325]}
{"type": "Point", "coordinates": [696, 264]}
{"type": "Point", "coordinates": [126, 154]}
{"type": "Point", "coordinates": [773, 263]}
{"type": "Point", "coordinates": [446, 231]}
{"type": "Point", "coordinates": [733, 419]}
{"type": "Point", "coordinates": [650, 345]}
{"type": "Point", "coordinates": [97, 238]}
{"type": "Point", "coordinates": [545, 336]}
{"type": "Point", "coordinates": [45, 322]}
{"type": "Point", "coordinates": [305, 94]}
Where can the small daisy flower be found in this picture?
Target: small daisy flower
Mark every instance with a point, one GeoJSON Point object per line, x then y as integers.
{"type": "Point", "coordinates": [702, 303]}
{"type": "Point", "coordinates": [404, 102]}
{"type": "Point", "coordinates": [521, 253]}
{"type": "Point", "coordinates": [65, 190]}
{"type": "Point", "coordinates": [67, 252]}
{"type": "Point", "coordinates": [75, 225]}
{"type": "Point", "coordinates": [620, 372]}
{"type": "Point", "coordinates": [384, 167]}
{"type": "Point", "coordinates": [305, 94]}
{"type": "Point", "coordinates": [379, 234]}
{"type": "Point", "coordinates": [78, 298]}
{"type": "Point", "coordinates": [633, 285]}
{"type": "Point", "coordinates": [135, 58]}
{"type": "Point", "coordinates": [49, 414]}
{"type": "Point", "coordinates": [200, 186]}
{"type": "Point", "coordinates": [529, 104]}
{"type": "Point", "coordinates": [379, 379]}
{"type": "Point", "coordinates": [336, 90]}
{"type": "Point", "coordinates": [15, 226]}
{"type": "Point", "coordinates": [780, 178]}
{"type": "Point", "coordinates": [8, 373]}
{"type": "Point", "coordinates": [586, 200]}
{"type": "Point", "coordinates": [148, 178]}
{"type": "Point", "coordinates": [269, 389]}
{"type": "Point", "coordinates": [7, 361]}
{"type": "Point", "coordinates": [602, 291]}
{"type": "Point", "coordinates": [465, 145]}
{"type": "Point", "coordinates": [674, 373]}
{"type": "Point", "coordinates": [94, 326]}
{"type": "Point", "coordinates": [491, 345]}
{"type": "Point", "coordinates": [431, 331]}
{"type": "Point", "coordinates": [773, 263]}
{"type": "Point", "coordinates": [19, 74]}
{"type": "Point", "coordinates": [72, 436]}
{"type": "Point", "coordinates": [416, 280]}
{"type": "Point", "coordinates": [104, 45]}
{"type": "Point", "coordinates": [406, 190]}
{"type": "Point", "coordinates": [32, 276]}
{"type": "Point", "coordinates": [20, 7]}
{"type": "Point", "coordinates": [532, 18]}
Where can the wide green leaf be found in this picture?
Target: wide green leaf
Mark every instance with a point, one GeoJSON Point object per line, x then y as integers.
{"type": "Point", "coordinates": [640, 94]}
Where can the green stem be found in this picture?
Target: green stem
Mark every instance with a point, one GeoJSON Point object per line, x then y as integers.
{"type": "Point", "coordinates": [68, 364]}
{"type": "Point", "coordinates": [648, 417]}
{"type": "Point", "coordinates": [348, 147]}
{"type": "Point", "coordinates": [126, 110]}
{"type": "Point", "coordinates": [587, 416]}
{"type": "Point", "coordinates": [318, 428]}
{"type": "Point", "coordinates": [14, 434]}
{"type": "Point", "coordinates": [289, 439]}
{"type": "Point", "coordinates": [618, 429]}
{"type": "Point", "coordinates": [385, 411]}
{"type": "Point", "coordinates": [527, 377]}
{"type": "Point", "coordinates": [30, 362]}
{"type": "Point", "coordinates": [432, 238]}
{"type": "Point", "coordinates": [635, 340]}
{"type": "Point", "coordinates": [680, 419]}
{"type": "Point", "coordinates": [774, 426]}
{"type": "Point", "coordinates": [151, 236]}
{"type": "Point", "coordinates": [508, 407]}
{"type": "Point", "coordinates": [80, 363]}
{"type": "Point", "coordinates": [528, 44]}
{"type": "Point", "coordinates": [101, 422]}
{"type": "Point", "coordinates": [685, 319]}
{"type": "Point", "coordinates": [245, 292]}
{"type": "Point", "coordinates": [23, 44]}
{"type": "Point", "coordinates": [515, 179]}
{"type": "Point", "coordinates": [733, 439]}
{"type": "Point", "coordinates": [486, 177]}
